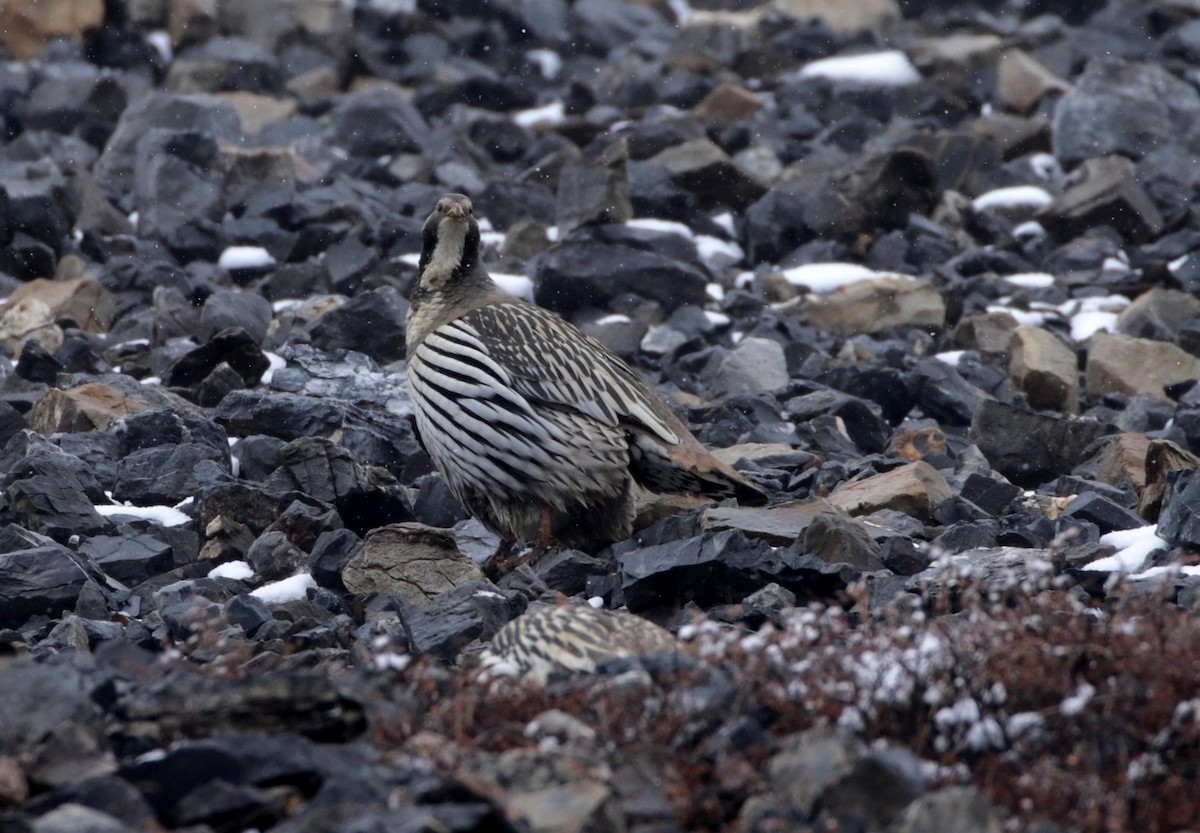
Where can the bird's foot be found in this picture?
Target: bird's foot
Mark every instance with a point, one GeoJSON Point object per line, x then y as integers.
{"type": "Point", "coordinates": [501, 563]}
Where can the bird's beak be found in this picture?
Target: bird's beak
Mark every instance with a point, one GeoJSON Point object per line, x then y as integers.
{"type": "Point", "coordinates": [456, 211]}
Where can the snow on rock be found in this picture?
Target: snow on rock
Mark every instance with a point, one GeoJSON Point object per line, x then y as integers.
{"type": "Point", "coordinates": [885, 69]}
{"type": "Point", "coordinates": [1015, 196]}
{"type": "Point", "coordinates": [232, 569]}
{"type": "Point", "coordinates": [245, 257]}
{"type": "Point", "coordinates": [162, 515]}
{"type": "Point", "coordinates": [518, 285]}
{"type": "Point", "coordinates": [285, 590]}
{"type": "Point", "coordinates": [826, 277]}
{"type": "Point", "coordinates": [1133, 546]}
{"type": "Point", "coordinates": [548, 114]}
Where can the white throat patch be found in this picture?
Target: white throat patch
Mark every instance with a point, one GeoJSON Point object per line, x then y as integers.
{"type": "Point", "coordinates": [447, 255]}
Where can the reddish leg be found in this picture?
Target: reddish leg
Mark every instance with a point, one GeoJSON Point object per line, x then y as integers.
{"type": "Point", "coordinates": [500, 564]}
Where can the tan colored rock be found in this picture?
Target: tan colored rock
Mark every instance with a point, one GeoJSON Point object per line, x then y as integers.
{"type": "Point", "coordinates": [840, 16]}
{"type": "Point", "coordinates": [915, 489]}
{"type": "Point", "coordinates": [1157, 314]}
{"type": "Point", "coordinates": [915, 443]}
{"type": "Point", "coordinates": [410, 559]}
{"type": "Point", "coordinates": [1162, 458]}
{"type": "Point", "coordinates": [28, 25]}
{"type": "Point", "coordinates": [1044, 369]}
{"type": "Point", "coordinates": [82, 299]}
{"type": "Point", "coordinates": [14, 789]}
{"type": "Point", "coordinates": [89, 407]}
{"type": "Point", "coordinates": [191, 22]}
{"type": "Point", "coordinates": [727, 104]}
{"type": "Point", "coordinates": [968, 51]}
{"type": "Point", "coordinates": [258, 111]}
{"type": "Point", "coordinates": [873, 305]}
{"type": "Point", "coordinates": [985, 331]}
{"type": "Point", "coordinates": [1021, 81]}
{"type": "Point", "coordinates": [1124, 461]}
{"type": "Point", "coordinates": [25, 319]}
{"type": "Point", "coordinates": [1121, 364]}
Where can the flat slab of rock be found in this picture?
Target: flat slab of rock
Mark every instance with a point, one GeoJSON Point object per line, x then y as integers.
{"type": "Point", "coordinates": [778, 525]}
{"type": "Point", "coordinates": [1121, 364]}
{"type": "Point", "coordinates": [409, 559]}
{"type": "Point", "coordinates": [88, 407]}
{"type": "Point", "coordinates": [873, 305]}
{"type": "Point", "coordinates": [915, 489]}
{"type": "Point", "coordinates": [1044, 369]}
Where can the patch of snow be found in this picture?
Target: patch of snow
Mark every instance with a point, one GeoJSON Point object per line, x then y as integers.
{"type": "Point", "coordinates": [412, 259]}
{"type": "Point", "coordinates": [277, 362]}
{"type": "Point", "coordinates": [549, 62]}
{"type": "Point", "coordinates": [1030, 280]}
{"type": "Point", "coordinates": [285, 590]}
{"type": "Point", "coordinates": [1034, 318]}
{"type": "Point", "coordinates": [245, 257]}
{"type": "Point", "coordinates": [890, 68]}
{"type": "Point", "coordinates": [286, 304]}
{"type": "Point", "coordinates": [656, 224]}
{"type": "Point", "coordinates": [719, 319]}
{"type": "Point", "coordinates": [596, 602]}
{"type": "Point", "coordinates": [232, 569]}
{"type": "Point", "coordinates": [1115, 264]}
{"type": "Point", "coordinates": [161, 41]}
{"type": "Point", "coordinates": [1167, 569]}
{"type": "Point", "coordinates": [744, 280]}
{"type": "Point", "coordinates": [1023, 196]}
{"type": "Point", "coordinates": [1133, 545]}
{"type": "Point", "coordinates": [1045, 165]}
{"type": "Point", "coordinates": [950, 357]}
{"type": "Point", "coordinates": [548, 114]}
{"type": "Point", "coordinates": [1029, 229]}
{"type": "Point", "coordinates": [1086, 324]}
{"type": "Point", "coordinates": [715, 291]}
{"type": "Point", "coordinates": [161, 515]}
{"type": "Point", "coordinates": [145, 380]}
{"type": "Point", "coordinates": [391, 661]}
{"type": "Point", "coordinates": [1177, 264]}
{"type": "Point", "coordinates": [1022, 722]}
{"type": "Point", "coordinates": [1076, 702]}
{"type": "Point", "coordinates": [614, 318]}
{"type": "Point", "coordinates": [492, 240]}
{"type": "Point", "coordinates": [518, 285]}
{"type": "Point", "coordinates": [826, 277]}
{"type": "Point", "coordinates": [718, 252]}
{"type": "Point", "coordinates": [725, 221]}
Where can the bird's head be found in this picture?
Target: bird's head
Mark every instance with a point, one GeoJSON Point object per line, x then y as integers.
{"type": "Point", "coordinates": [450, 244]}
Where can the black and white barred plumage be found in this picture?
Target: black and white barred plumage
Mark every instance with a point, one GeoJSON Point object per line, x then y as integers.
{"type": "Point", "coordinates": [538, 428]}
{"type": "Point", "coordinates": [570, 639]}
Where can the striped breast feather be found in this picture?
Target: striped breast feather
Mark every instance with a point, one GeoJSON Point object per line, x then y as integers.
{"type": "Point", "coordinates": [551, 362]}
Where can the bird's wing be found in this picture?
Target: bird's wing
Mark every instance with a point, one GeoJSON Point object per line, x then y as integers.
{"type": "Point", "coordinates": [550, 362]}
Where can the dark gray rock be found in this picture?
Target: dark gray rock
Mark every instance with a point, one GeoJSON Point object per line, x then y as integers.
{"type": "Point", "coordinates": [284, 415]}
{"type": "Point", "coordinates": [775, 226]}
{"type": "Point", "coordinates": [273, 557]}
{"type": "Point", "coordinates": [594, 191]}
{"type": "Point", "coordinates": [719, 567]}
{"type": "Point", "coordinates": [1103, 512]}
{"type": "Point", "coordinates": [177, 183]}
{"type": "Point", "coordinates": [942, 392]}
{"type": "Point", "coordinates": [44, 580]}
{"type": "Point", "coordinates": [371, 322]}
{"type": "Point", "coordinates": [1179, 519]}
{"type": "Point", "coordinates": [1125, 108]}
{"type": "Point", "coordinates": [166, 474]}
{"type": "Point", "coordinates": [233, 347]}
{"type": "Point", "coordinates": [379, 121]}
{"type": "Point", "coordinates": [593, 266]}
{"type": "Point", "coordinates": [451, 620]}
{"type": "Point", "coordinates": [229, 308]}
{"type": "Point", "coordinates": [130, 559]}
{"type": "Point", "coordinates": [365, 497]}
{"type": "Point", "coordinates": [53, 493]}
{"type": "Point", "coordinates": [248, 612]}
{"type": "Point", "coordinates": [332, 550]}
{"type": "Point", "coordinates": [1030, 448]}
{"type": "Point", "coordinates": [225, 64]}
{"type": "Point", "coordinates": [705, 170]}
{"type": "Point", "coordinates": [839, 540]}
{"type": "Point", "coordinates": [37, 201]}
{"type": "Point", "coordinates": [1107, 193]}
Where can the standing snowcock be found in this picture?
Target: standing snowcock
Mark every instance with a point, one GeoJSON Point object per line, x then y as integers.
{"type": "Point", "coordinates": [541, 431]}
